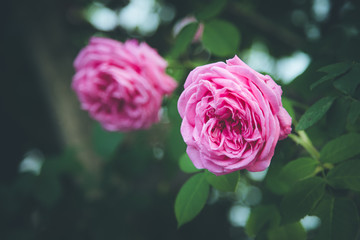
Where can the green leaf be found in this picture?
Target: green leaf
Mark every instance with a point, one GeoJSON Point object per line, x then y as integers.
{"type": "Point", "coordinates": [66, 163]}
{"type": "Point", "coordinates": [211, 9]}
{"type": "Point", "coordinates": [191, 198]}
{"type": "Point", "coordinates": [354, 112]}
{"type": "Point", "coordinates": [262, 217]}
{"type": "Point", "coordinates": [335, 118]}
{"type": "Point", "coordinates": [175, 69]}
{"type": "Point", "coordinates": [225, 183]}
{"type": "Point", "coordinates": [348, 82]}
{"type": "Point", "coordinates": [174, 143]}
{"type": "Point", "coordinates": [336, 68]}
{"type": "Point", "coordinates": [346, 175]}
{"type": "Point", "coordinates": [47, 187]}
{"type": "Point", "coordinates": [341, 148]}
{"type": "Point", "coordinates": [333, 71]}
{"type": "Point", "coordinates": [105, 143]}
{"type": "Point", "coordinates": [186, 164]}
{"type": "Point", "coordinates": [315, 113]}
{"type": "Point", "coordinates": [184, 39]}
{"type": "Point", "coordinates": [301, 199]}
{"type": "Point", "coordinates": [273, 182]}
{"type": "Point", "coordinates": [297, 170]}
{"type": "Point", "coordinates": [293, 231]}
{"type": "Point", "coordinates": [25, 184]}
{"type": "Point", "coordinates": [339, 219]}
{"type": "Point", "coordinates": [48, 190]}
{"type": "Point", "coordinates": [221, 38]}
{"type": "Point", "coordinates": [288, 106]}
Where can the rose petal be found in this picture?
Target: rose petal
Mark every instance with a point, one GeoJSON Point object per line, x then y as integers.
{"type": "Point", "coordinates": [232, 117]}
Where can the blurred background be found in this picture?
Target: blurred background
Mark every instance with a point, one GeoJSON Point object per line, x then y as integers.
{"type": "Point", "coordinates": [63, 177]}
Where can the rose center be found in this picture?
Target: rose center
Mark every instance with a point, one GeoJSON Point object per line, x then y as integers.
{"type": "Point", "coordinates": [224, 121]}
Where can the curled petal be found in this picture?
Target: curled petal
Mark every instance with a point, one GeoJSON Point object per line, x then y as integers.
{"type": "Point", "coordinates": [121, 84]}
{"type": "Point", "coordinates": [232, 117]}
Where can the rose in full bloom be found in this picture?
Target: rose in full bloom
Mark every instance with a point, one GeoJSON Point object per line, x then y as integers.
{"type": "Point", "coordinates": [232, 117]}
{"type": "Point", "coordinates": [121, 85]}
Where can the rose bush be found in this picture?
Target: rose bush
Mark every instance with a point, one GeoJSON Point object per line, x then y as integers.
{"type": "Point", "coordinates": [232, 117]}
{"type": "Point", "coordinates": [121, 84]}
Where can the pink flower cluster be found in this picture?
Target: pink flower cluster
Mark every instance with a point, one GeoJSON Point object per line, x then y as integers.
{"type": "Point", "coordinates": [232, 117]}
{"type": "Point", "coordinates": [121, 85]}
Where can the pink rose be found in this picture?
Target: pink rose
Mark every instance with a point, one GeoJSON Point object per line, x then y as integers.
{"type": "Point", "coordinates": [232, 117]}
{"type": "Point", "coordinates": [121, 84]}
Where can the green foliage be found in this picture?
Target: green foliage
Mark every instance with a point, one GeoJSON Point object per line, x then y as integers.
{"type": "Point", "coordinates": [346, 175]}
{"type": "Point", "coordinates": [174, 142]}
{"type": "Point", "coordinates": [191, 198]}
{"type": "Point", "coordinates": [339, 218]}
{"type": "Point", "coordinates": [221, 38]}
{"type": "Point", "coordinates": [297, 170]}
{"type": "Point", "coordinates": [211, 9]}
{"type": "Point", "coordinates": [105, 142]}
{"type": "Point", "coordinates": [336, 69]}
{"type": "Point", "coordinates": [186, 164]}
{"type": "Point", "coordinates": [66, 163]}
{"type": "Point", "coordinates": [184, 39]}
{"type": "Point", "coordinates": [287, 104]}
{"type": "Point", "coordinates": [333, 71]}
{"type": "Point", "coordinates": [315, 113]}
{"type": "Point", "coordinates": [48, 190]}
{"type": "Point", "coordinates": [174, 70]}
{"type": "Point", "coordinates": [261, 218]}
{"type": "Point", "coordinates": [354, 112]}
{"type": "Point", "coordinates": [293, 231]}
{"type": "Point", "coordinates": [335, 118]}
{"type": "Point", "coordinates": [348, 82]}
{"type": "Point", "coordinates": [345, 76]}
{"type": "Point", "coordinates": [341, 148]}
{"type": "Point", "coordinates": [273, 182]}
{"type": "Point", "coordinates": [47, 187]}
{"type": "Point", "coordinates": [301, 199]}
{"type": "Point", "coordinates": [225, 183]}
